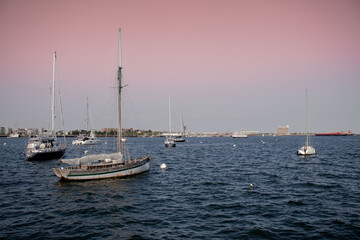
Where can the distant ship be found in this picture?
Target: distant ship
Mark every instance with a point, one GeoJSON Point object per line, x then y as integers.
{"type": "Point", "coordinates": [349, 133]}
{"type": "Point", "coordinates": [241, 134]}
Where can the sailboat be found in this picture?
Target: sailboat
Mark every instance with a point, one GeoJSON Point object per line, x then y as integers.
{"type": "Point", "coordinates": [180, 138]}
{"type": "Point", "coordinates": [307, 149]}
{"type": "Point", "coordinates": [100, 166]}
{"type": "Point", "coordinates": [45, 147]}
{"type": "Point", "coordinates": [170, 142]}
{"type": "Point", "coordinates": [84, 139]}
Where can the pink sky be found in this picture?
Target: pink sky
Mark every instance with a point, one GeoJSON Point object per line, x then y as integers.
{"type": "Point", "coordinates": [228, 65]}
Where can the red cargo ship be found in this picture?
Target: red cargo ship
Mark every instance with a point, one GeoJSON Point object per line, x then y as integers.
{"type": "Point", "coordinates": [335, 134]}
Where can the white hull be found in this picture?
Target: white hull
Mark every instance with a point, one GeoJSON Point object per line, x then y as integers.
{"type": "Point", "coordinates": [86, 142]}
{"type": "Point", "coordinates": [306, 150]}
{"type": "Point", "coordinates": [169, 143]}
{"type": "Point", "coordinates": [110, 172]}
{"type": "Point", "coordinates": [13, 135]}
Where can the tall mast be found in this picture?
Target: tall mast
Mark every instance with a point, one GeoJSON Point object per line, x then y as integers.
{"type": "Point", "coordinates": [170, 115]}
{"type": "Point", "coordinates": [119, 93]}
{"type": "Point", "coordinates": [182, 122]}
{"type": "Point", "coordinates": [53, 97]}
{"type": "Point", "coordinates": [87, 114]}
{"type": "Point", "coordinates": [307, 120]}
{"type": "Point", "coordinates": [183, 126]}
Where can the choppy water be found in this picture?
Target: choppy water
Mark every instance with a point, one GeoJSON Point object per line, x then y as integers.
{"type": "Point", "coordinates": [203, 194]}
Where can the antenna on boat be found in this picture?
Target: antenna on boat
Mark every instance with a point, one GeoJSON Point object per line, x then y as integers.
{"type": "Point", "coordinates": [119, 93]}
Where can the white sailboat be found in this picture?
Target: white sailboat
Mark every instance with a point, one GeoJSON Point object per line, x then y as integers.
{"type": "Point", "coordinates": [84, 139]}
{"type": "Point", "coordinates": [307, 149]}
{"type": "Point", "coordinates": [241, 134]}
{"type": "Point", "coordinates": [170, 142]}
{"type": "Point", "coordinates": [46, 147]}
{"type": "Point", "coordinates": [14, 135]}
{"type": "Point", "coordinates": [100, 166]}
{"type": "Point", "coordinates": [179, 138]}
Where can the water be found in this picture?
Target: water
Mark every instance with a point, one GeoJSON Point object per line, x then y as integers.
{"type": "Point", "coordinates": [204, 193]}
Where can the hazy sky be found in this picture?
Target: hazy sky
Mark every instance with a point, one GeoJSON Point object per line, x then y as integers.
{"type": "Point", "coordinates": [227, 65]}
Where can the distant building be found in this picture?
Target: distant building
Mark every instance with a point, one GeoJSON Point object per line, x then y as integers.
{"type": "Point", "coordinates": [107, 130]}
{"type": "Point", "coordinates": [283, 130]}
{"type": "Point", "coordinates": [5, 130]}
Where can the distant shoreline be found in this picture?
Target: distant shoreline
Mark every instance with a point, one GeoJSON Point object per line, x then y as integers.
{"type": "Point", "coordinates": [202, 135]}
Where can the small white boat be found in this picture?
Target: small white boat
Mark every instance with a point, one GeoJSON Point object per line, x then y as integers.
{"type": "Point", "coordinates": [84, 139]}
{"type": "Point", "coordinates": [100, 166]}
{"type": "Point", "coordinates": [169, 143]}
{"type": "Point", "coordinates": [241, 134]}
{"type": "Point", "coordinates": [180, 138]}
{"type": "Point", "coordinates": [307, 149]}
{"type": "Point", "coordinates": [14, 135]}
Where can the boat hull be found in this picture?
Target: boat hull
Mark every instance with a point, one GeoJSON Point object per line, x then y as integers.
{"type": "Point", "coordinates": [179, 140]}
{"type": "Point", "coordinates": [45, 155]}
{"type": "Point", "coordinates": [334, 134]}
{"type": "Point", "coordinates": [71, 174]}
{"type": "Point", "coordinates": [239, 136]}
{"type": "Point", "coordinates": [87, 142]}
{"type": "Point", "coordinates": [170, 145]}
{"type": "Point", "coordinates": [306, 151]}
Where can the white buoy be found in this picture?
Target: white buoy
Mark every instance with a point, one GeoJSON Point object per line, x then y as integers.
{"type": "Point", "coordinates": [86, 151]}
{"type": "Point", "coordinates": [4, 144]}
{"type": "Point", "coordinates": [200, 142]}
{"type": "Point", "coordinates": [251, 186]}
{"type": "Point", "coordinates": [105, 142]}
{"type": "Point", "coordinates": [234, 145]}
{"type": "Point", "coordinates": [163, 166]}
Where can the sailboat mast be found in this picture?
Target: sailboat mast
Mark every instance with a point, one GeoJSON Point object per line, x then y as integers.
{"type": "Point", "coordinates": [307, 120]}
{"type": "Point", "coordinates": [119, 93]}
{"type": "Point", "coordinates": [53, 97]}
{"type": "Point", "coordinates": [170, 115]}
{"type": "Point", "coordinates": [182, 124]}
{"type": "Point", "coordinates": [87, 114]}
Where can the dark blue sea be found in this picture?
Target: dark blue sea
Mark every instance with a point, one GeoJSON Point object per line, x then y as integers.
{"type": "Point", "coordinates": [204, 193]}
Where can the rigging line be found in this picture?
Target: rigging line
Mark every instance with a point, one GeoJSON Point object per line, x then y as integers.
{"type": "Point", "coordinates": [110, 121]}
{"type": "Point", "coordinates": [49, 111]}
{"type": "Point", "coordinates": [91, 121]}
{"type": "Point", "coordinates": [126, 151]}
{"type": "Point", "coordinates": [131, 105]}
{"type": "Point", "coordinates": [113, 118]}
{"type": "Point", "coordinates": [61, 107]}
